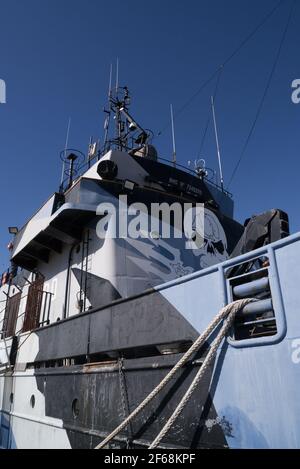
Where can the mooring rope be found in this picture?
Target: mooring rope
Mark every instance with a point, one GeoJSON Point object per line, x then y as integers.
{"type": "Point", "coordinates": [228, 312]}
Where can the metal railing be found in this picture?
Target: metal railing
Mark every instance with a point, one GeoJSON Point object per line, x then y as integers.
{"type": "Point", "coordinates": [44, 315]}
{"type": "Point", "coordinates": [46, 308]}
{"type": "Point", "coordinates": [81, 169]}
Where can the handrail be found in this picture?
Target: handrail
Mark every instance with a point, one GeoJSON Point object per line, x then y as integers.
{"type": "Point", "coordinates": [45, 316]}
{"type": "Point", "coordinates": [87, 164]}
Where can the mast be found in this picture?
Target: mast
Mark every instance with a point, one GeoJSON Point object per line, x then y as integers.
{"type": "Point", "coordinates": [126, 126]}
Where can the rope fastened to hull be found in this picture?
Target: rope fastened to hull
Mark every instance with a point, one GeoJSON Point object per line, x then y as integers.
{"type": "Point", "coordinates": [228, 313]}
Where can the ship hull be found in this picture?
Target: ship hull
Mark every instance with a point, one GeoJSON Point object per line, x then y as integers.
{"type": "Point", "coordinates": [74, 381]}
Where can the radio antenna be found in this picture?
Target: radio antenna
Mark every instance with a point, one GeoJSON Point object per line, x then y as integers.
{"type": "Point", "coordinates": [110, 83]}
{"type": "Point", "coordinates": [217, 142]}
{"type": "Point", "coordinates": [117, 75]}
{"type": "Point", "coordinates": [107, 119]}
{"type": "Point", "coordinates": [173, 136]}
{"type": "Point", "coordinates": [65, 152]}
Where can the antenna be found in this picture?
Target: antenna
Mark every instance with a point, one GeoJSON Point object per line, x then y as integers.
{"type": "Point", "coordinates": [90, 144]}
{"type": "Point", "coordinates": [65, 151]}
{"type": "Point", "coordinates": [107, 119]}
{"type": "Point", "coordinates": [117, 75]}
{"type": "Point", "coordinates": [110, 83]}
{"type": "Point", "coordinates": [173, 136]}
{"type": "Point", "coordinates": [71, 158]}
{"type": "Point", "coordinates": [200, 168]}
{"type": "Point", "coordinates": [90, 152]}
{"type": "Point", "coordinates": [217, 142]}
{"type": "Point", "coordinates": [117, 115]}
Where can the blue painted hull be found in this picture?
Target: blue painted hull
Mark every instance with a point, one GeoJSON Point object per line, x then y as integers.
{"type": "Point", "coordinates": [249, 399]}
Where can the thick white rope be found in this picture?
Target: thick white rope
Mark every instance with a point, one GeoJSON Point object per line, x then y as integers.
{"type": "Point", "coordinates": [209, 358]}
{"type": "Point", "coordinates": [230, 310]}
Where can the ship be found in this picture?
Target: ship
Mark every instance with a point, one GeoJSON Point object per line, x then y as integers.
{"type": "Point", "coordinates": [94, 317]}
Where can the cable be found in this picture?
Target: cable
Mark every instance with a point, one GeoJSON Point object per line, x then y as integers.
{"type": "Point", "coordinates": [264, 94]}
{"type": "Point", "coordinates": [229, 58]}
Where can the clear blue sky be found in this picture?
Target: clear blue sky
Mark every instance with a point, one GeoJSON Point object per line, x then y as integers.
{"type": "Point", "coordinates": [55, 57]}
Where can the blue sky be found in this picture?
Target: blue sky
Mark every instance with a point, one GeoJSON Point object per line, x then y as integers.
{"type": "Point", "coordinates": [55, 57]}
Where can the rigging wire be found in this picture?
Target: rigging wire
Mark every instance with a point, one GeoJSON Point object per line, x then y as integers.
{"type": "Point", "coordinates": [220, 67]}
{"type": "Point", "coordinates": [262, 101]}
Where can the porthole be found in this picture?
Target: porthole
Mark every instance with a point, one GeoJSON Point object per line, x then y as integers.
{"type": "Point", "coordinates": [32, 401]}
{"type": "Point", "coordinates": [75, 408]}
